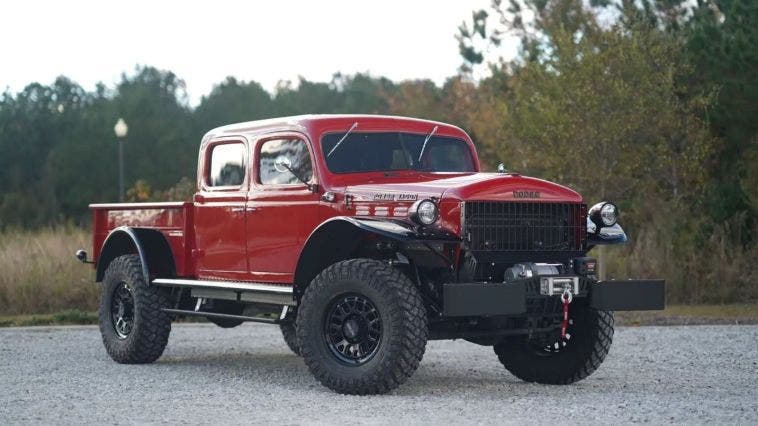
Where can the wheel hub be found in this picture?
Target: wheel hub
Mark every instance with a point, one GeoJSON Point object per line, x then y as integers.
{"type": "Point", "coordinates": [122, 311]}
{"type": "Point", "coordinates": [353, 329]}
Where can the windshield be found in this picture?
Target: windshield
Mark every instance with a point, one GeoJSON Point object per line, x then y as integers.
{"type": "Point", "coordinates": [388, 151]}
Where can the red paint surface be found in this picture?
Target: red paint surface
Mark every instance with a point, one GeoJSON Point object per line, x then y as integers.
{"type": "Point", "coordinates": [256, 232]}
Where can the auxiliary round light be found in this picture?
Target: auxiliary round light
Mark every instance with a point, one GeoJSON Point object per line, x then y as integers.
{"type": "Point", "coordinates": [424, 212]}
{"type": "Point", "coordinates": [609, 214]}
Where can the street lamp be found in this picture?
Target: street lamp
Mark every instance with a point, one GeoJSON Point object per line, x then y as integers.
{"type": "Point", "coordinates": [120, 129]}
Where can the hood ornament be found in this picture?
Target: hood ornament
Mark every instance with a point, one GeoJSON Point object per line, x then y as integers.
{"type": "Point", "coordinates": [501, 168]}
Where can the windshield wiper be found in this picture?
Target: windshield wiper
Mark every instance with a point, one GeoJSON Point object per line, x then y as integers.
{"type": "Point", "coordinates": [429, 136]}
{"type": "Point", "coordinates": [343, 139]}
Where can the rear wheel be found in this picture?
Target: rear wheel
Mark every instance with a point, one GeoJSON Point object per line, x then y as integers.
{"type": "Point", "coordinates": [362, 327]}
{"type": "Point", "coordinates": [560, 362]}
{"type": "Point", "coordinates": [134, 328]}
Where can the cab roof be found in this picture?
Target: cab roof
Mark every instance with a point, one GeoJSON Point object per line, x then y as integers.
{"type": "Point", "coordinates": [314, 124]}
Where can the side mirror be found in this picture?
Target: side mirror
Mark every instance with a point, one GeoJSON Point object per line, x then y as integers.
{"type": "Point", "coordinates": [283, 164]}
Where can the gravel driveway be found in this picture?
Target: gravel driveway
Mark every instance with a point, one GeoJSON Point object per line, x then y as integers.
{"type": "Point", "coordinates": [695, 374]}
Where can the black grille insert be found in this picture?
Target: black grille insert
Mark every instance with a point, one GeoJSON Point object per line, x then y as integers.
{"type": "Point", "coordinates": [523, 226]}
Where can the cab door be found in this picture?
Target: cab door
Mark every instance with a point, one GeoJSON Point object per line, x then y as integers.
{"type": "Point", "coordinates": [281, 210]}
{"type": "Point", "coordinates": [221, 249]}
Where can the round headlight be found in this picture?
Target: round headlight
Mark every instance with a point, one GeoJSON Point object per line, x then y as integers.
{"type": "Point", "coordinates": [424, 212]}
{"type": "Point", "coordinates": [608, 214]}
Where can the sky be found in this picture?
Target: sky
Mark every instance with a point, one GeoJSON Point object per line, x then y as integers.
{"type": "Point", "coordinates": [203, 42]}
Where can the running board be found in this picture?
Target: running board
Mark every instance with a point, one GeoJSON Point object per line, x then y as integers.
{"type": "Point", "coordinates": [233, 290]}
{"type": "Point", "coordinates": [221, 316]}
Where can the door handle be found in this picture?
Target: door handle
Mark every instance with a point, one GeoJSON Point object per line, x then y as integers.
{"type": "Point", "coordinates": [238, 209]}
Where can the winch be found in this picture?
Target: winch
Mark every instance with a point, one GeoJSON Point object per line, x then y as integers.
{"type": "Point", "coordinates": [528, 270]}
{"type": "Point", "coordinates": [551, 283]}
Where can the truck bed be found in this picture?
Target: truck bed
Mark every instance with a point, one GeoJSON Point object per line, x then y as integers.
{"type": "Point", "coordinates": [172, 219]}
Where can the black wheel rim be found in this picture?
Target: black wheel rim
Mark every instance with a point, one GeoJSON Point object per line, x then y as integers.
{"type": "Point", "coordinates": [555, 345]}
{"type": "Point", "coordinates": [122, 310]}
{"type": "Point", "coordinates": [353, 329]}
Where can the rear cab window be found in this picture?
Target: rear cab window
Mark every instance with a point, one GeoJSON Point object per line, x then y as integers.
{"type": "Point", "coordinates": [227, 165]}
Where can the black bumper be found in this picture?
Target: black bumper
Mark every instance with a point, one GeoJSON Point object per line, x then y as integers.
{"type": "Point", "coordinates": [490, 299]}
{"type": "Point", "coordinates": [628, 295]}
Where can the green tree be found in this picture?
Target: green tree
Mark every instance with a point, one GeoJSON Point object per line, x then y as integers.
{"type": "Point", "coordinates": [232, 101]}
{"type": "Point", "coordinates": [160, 146]}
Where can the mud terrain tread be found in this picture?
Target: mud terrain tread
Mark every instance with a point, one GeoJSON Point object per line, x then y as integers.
{"type": "Point", "coordinates": [152, 326]}
{"type": "Point", "coordinates": [591, 343]}
{"type": "Point", "coordinates": [290, 337]}
{"type": "Point", "coordinates": [402, 353]}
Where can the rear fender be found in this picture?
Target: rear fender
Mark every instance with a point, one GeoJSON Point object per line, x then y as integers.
{"type": "Point", "coordinates": [149, 244]}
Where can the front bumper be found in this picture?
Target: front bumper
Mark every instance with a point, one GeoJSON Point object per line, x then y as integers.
{"type": "Point", "coordinates": [491, 299]}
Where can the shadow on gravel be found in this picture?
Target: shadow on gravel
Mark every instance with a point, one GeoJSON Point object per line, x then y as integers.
{"type": "Point", "coordinates": [284, 366]}
{"type": "Point", "coordinates": [279, 368]}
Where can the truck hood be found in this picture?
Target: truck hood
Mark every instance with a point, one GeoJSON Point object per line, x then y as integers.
{"type": "Point", "coordinates": [475, 186]}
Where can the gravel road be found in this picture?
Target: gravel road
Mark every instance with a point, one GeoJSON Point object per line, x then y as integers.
{"type": "Point", "coordinates": [695, 374]}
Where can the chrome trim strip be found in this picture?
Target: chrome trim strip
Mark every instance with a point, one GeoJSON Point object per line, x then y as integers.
{"type": "Point", "coordinates": [227, 285]}
{"type": "Point", "coordinates": [464, 237]}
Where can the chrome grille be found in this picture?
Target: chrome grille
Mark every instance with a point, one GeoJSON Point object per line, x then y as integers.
{"type": "Point", "coordinates": [524, 226]}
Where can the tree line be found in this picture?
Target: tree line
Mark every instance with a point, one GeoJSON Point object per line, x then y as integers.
{"type": "Point", "coordinates": [650, 103]}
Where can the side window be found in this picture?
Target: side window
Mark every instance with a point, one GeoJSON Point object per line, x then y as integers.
{"type": "Point", "coordinates": [227, 165]}
{"type": "Point", "coordinates": [283, 161]}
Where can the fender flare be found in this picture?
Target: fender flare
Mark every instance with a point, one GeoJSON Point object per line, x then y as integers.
{"type": "Point", "coordinates": [606, 235]}
{"type": "Point", "coordinates": [149, 244]}
{"type": "Point", "coordinates": [336, 238]}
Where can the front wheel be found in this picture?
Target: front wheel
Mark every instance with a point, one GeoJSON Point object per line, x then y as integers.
{"type": "Point", "coordinates": [134, 328]}
{"type": "Point", "coordinates": [290, 337]}
{"type": "Point", "coordinates": [362, 327]}
{"type": "Point", "coordinates": [561, 362]}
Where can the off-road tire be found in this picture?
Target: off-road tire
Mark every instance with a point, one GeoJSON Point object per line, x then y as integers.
{"type": "Point", "coordinates": [289, 333]}
{"type": "Point", "coordinates": [403, 318]}
{"type": "Point", "coordinates": [149, 335]}
{"type": "Point", "coordinates": [591, 337]}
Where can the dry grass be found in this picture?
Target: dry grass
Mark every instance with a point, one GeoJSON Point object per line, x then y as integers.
{"type": "Point", "coordinates": [716, 270]}
{"type": "Point", "coordinates": [738, 313]}
{"type": "Point", "coordinates": [40, 275]}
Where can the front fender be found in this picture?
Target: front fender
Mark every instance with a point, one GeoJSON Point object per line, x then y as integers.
{"type": "Point", "coordinates": [606, 235]}
{"type": "Point", "coordinates": [340, 237]}
{"type": "Point", "coordinates": [398, 230]}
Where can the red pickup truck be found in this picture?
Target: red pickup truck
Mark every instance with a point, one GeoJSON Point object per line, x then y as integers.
{"type": "Point", "coordinates": [363, 237]}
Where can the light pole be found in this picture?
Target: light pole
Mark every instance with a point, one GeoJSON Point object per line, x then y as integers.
{"type": "Point", "coordinates": [120, 130]}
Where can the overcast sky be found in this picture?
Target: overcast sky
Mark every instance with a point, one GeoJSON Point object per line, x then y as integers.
{"type": "Point", "coordinates": [203, 42]}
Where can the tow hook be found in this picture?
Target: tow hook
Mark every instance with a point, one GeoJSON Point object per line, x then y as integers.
{"type": "Point", "coordinates": [566, 297]}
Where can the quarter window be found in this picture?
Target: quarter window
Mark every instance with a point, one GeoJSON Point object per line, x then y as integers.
{"type": "Point", "coordinates": [227, 165]}
{"type": "Point", "coordinates": [285, 162]}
